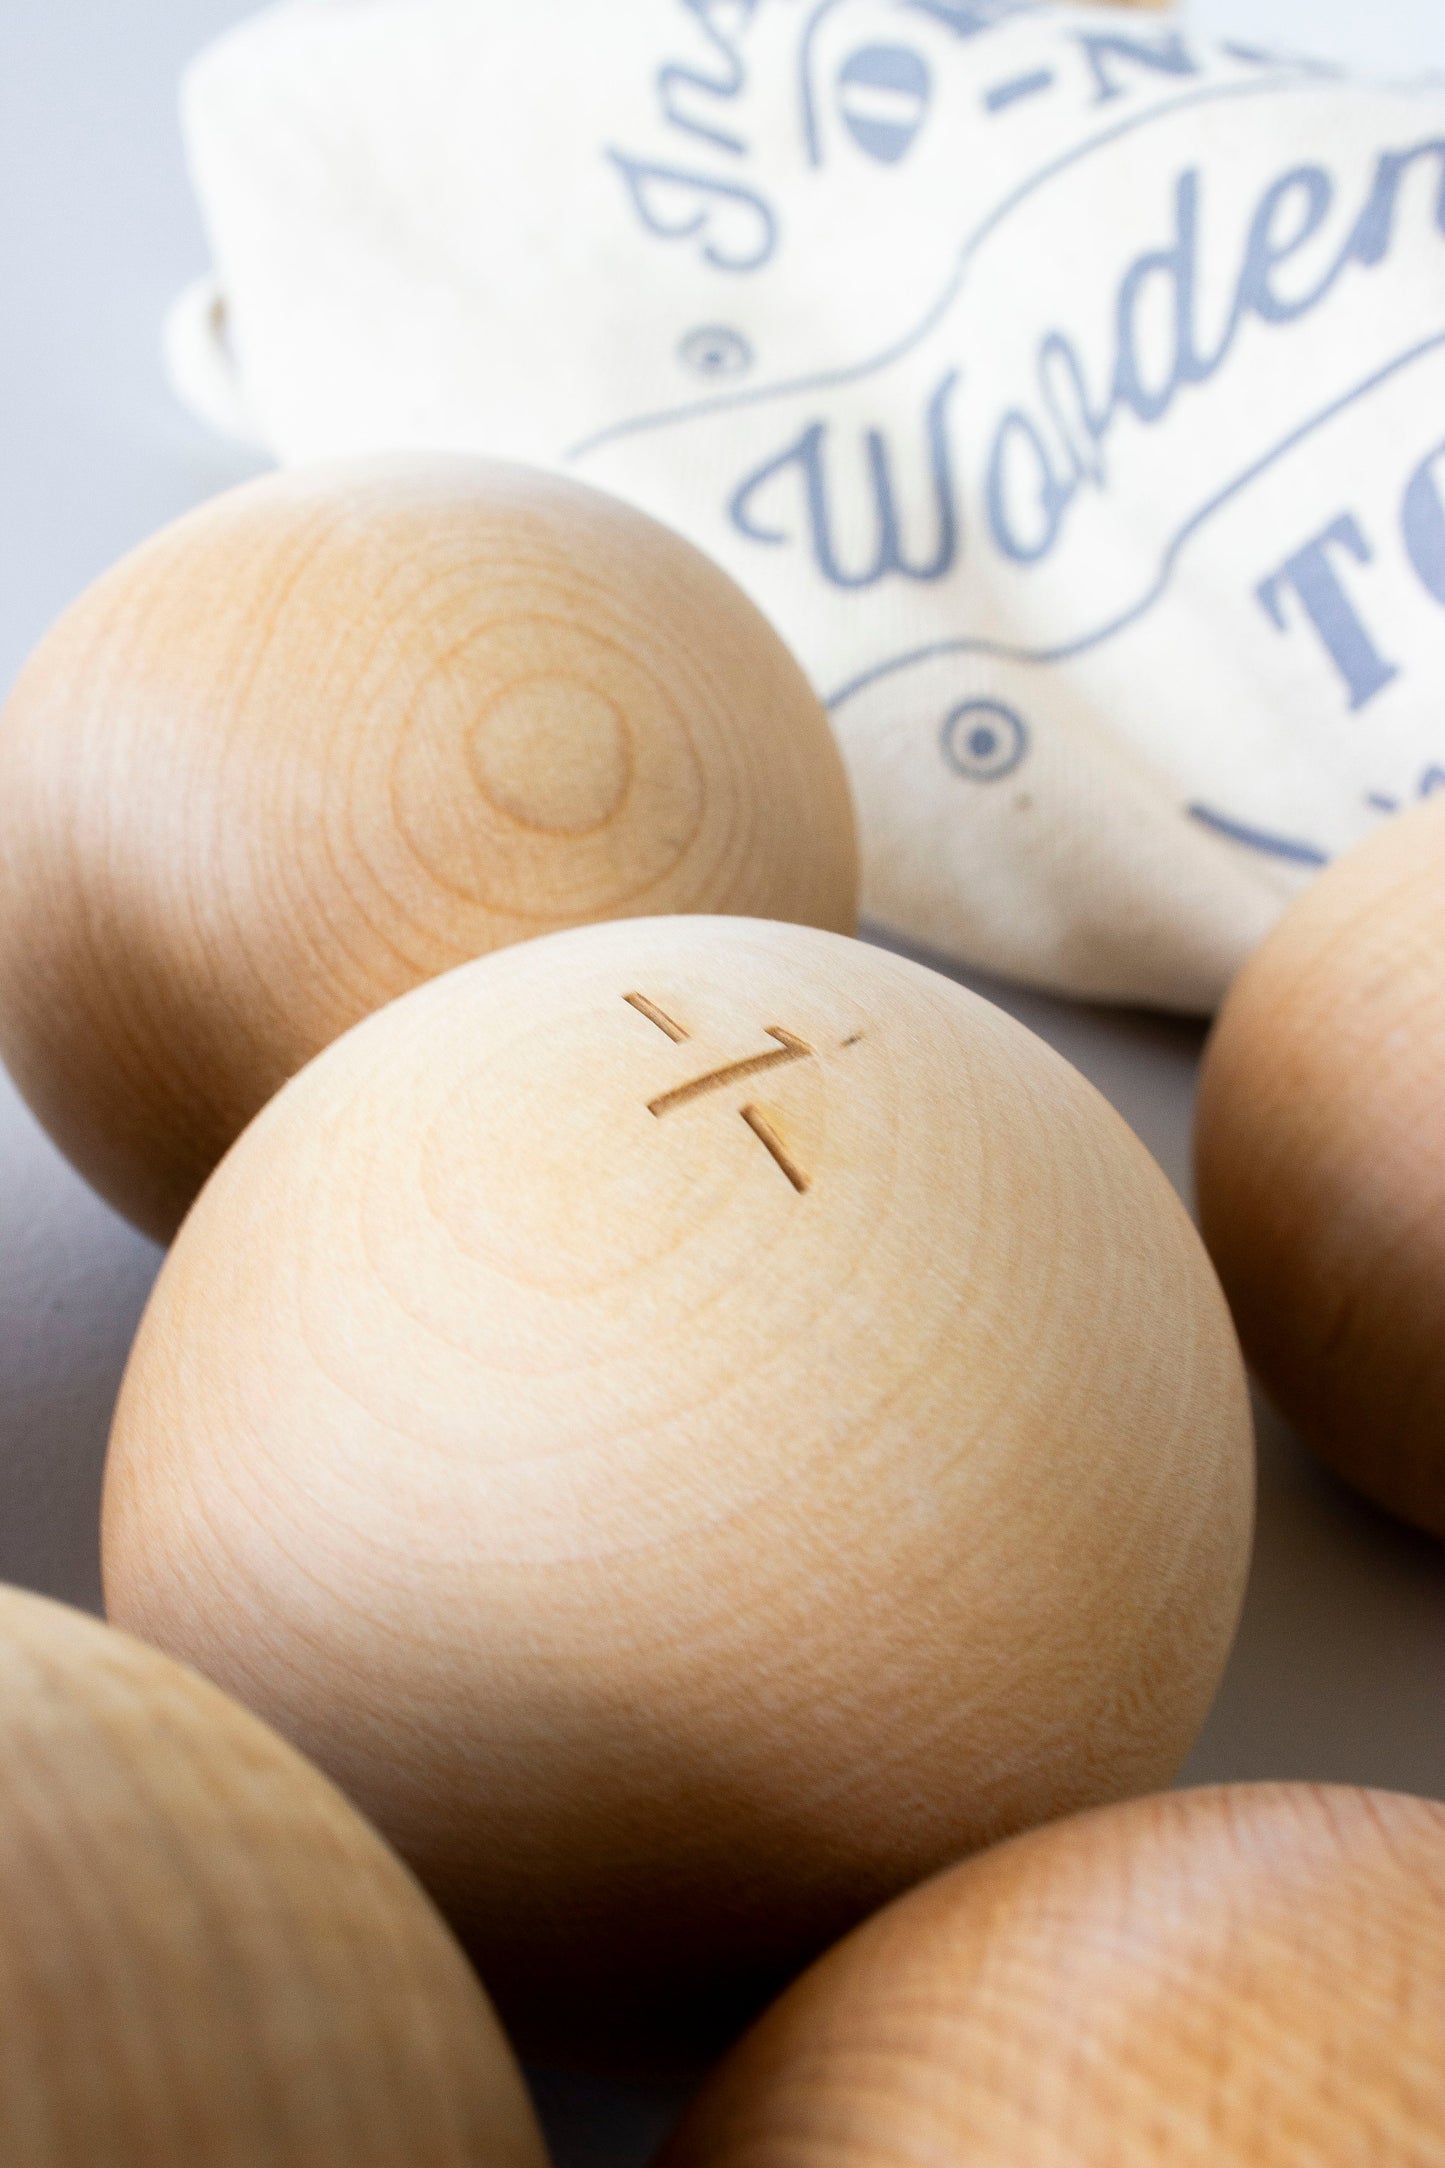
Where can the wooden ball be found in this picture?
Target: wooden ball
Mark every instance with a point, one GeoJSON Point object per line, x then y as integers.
{"type": "Point", "coordinates": [1243, 1978]}
{"type": "Point", "coordinates": [694, 1424]}
{"type": "Point", "coordinates": [207, 1960]}
{"type": "Point", "coordinates": [1321, 1164]}
{"type": "Point", "coordinates": [344, 728]}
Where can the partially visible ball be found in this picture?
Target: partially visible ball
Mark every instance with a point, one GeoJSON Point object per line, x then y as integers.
{"type": "Point", "coordinates": [1246, 1978]}
{"type": "Point", "coordinates": [207, 1960]}
{"type": "Point", "coordinates": [344, 728]}
{"type": "Point", "coordinates": [1321, 1164]}
{"type": "Point", "coordinates": [695, 1424]}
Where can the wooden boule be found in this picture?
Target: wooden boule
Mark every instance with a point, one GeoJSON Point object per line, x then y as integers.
{"type": "Point", "coordinates": [695, 1424]}
{"type": "Point", "coordinates": [1320, 1155]}
{"type": "Point", "coordinates": [1240, 1978]}
{"type": "Point", "coordinates": [344, 728]}
{"type": "Point", "coordinates": [207, 1959]}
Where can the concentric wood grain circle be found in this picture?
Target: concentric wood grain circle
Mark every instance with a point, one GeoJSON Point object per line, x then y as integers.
{"type": "Point", "coordinates": [344, 728]}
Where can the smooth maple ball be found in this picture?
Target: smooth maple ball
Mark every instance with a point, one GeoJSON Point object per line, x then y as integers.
{"type": "Point", "coordinates": [1252, 1977]}
{"type": "Point", "coordinates": [344, 728]}
{"type": "Point", "coordinates": [694, 1423]}
{"type": "Point", "coordinates": [1320, 1154]}
{"type": "Point", "coordinates": [207, 1960]}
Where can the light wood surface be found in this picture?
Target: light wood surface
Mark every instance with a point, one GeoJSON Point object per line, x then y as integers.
{"type": "Point", "coordinates": [1321, 1164]}
{"type": "Point", "coordinates": [695, 1424]}
{"type": "Point", "coordinates": [1240, 1978]}
{"type": "Point", "coordinates": [207, 1960]}
{"type": "Point", "coordinates": [342, 729]}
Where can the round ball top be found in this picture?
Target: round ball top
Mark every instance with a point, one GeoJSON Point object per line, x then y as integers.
{"type": "Point", "coordinates": [206, 1958]}
{"type": "Point", "coordinates": [344, 728]}
{"type": "Point", "coordinates": [695, 1423]}
{"type": "Point", "coordinates": [1246, 1978]}
{"type": "Point", "coordinates": [1321, 1164]}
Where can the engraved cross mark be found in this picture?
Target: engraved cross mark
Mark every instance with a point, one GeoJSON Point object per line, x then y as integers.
{"type": "Point", "coordinates": [789, 1048]}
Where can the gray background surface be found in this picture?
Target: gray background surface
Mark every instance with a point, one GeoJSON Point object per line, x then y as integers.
{"type": "Point", "coordinates": [1338, 1669]}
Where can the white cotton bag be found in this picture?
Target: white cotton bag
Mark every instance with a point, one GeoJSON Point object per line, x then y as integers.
{"type": "Point", "coordinates": [1070, 392]}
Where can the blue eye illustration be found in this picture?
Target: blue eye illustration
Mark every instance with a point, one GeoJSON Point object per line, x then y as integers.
{"type": "Point", "coordinates": [884, 92]}
{"type": "Point", "coordinates": [984, 741]}
{"type": "Point", "coordinates": [716, 350]}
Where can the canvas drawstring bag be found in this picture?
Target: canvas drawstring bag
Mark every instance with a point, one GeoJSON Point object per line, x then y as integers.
{"type": "Point", "coordinates": [1069, 391]}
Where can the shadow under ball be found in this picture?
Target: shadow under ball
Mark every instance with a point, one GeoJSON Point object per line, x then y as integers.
{"type": "Point", "coordinates": [695, 1424]}
{"type": "Point", "coordinates": [207, 1960]}
{"type": "Point", "coordinates": [1320, 1152]}
{"type": "Point", "coordinates": [344, 728]}
{"type": "Point", "coordinates": [1252, 1977]}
